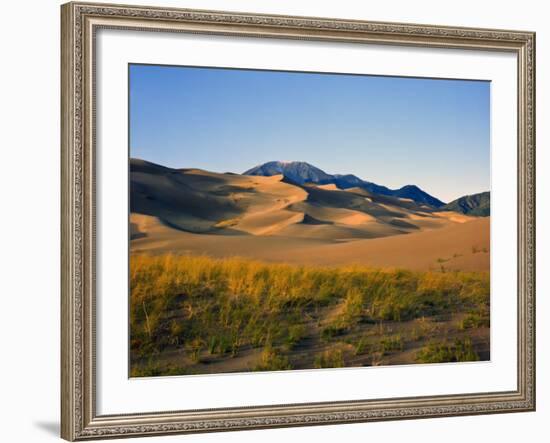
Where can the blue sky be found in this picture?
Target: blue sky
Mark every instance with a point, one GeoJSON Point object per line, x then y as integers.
{"type": "Point", "coordinates": [389, 130]}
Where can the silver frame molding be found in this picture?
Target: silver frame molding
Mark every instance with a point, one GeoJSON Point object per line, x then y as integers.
{"type": "Point", "coordinates": [79, 22]}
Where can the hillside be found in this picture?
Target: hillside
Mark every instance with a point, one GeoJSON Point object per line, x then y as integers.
{"type": "Point", "coordinates": [476, 204]}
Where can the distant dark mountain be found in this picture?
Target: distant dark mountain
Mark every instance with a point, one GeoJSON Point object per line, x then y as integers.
{"type": "Point", "coordinates": [476, 204]}
{"type": "Point", "coordinates": [302, 172]}
{"type": "Point", "coordinates": [346, 181]}
{"type": "Point", "coordinates": [352, 181]}
{"type": "Point", "coordinates": [418, 195]}
{"type": "Point", "coordinates": [298, 172]}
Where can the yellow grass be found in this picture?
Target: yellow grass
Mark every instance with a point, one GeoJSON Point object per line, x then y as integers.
{"type": "Point", "coordinates": [220, 306]}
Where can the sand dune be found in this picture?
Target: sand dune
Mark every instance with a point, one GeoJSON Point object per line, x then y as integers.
{"type": "Point", "coordinates": [200, 201]}
{"type": "Point", "coordinates": [329, 187]}
{"type": "Point", "coordinates": [333, 214]}
{"type": "Point", "coordinates": [268, 222]}
{"type": "Point", "coordinates": [461, 246]}
{"type": "Point", "coordinates": [192, 211]}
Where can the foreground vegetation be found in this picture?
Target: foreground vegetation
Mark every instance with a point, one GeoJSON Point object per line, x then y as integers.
{"type": "Point", "coordinates": [195, 314]}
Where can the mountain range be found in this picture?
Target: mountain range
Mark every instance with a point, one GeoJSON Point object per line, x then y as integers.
{"type": "Point", "coordinates": [301, 173]}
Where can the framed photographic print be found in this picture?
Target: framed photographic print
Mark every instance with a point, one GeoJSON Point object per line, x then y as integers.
{"type": "Point", "coordinates": [283, 221]}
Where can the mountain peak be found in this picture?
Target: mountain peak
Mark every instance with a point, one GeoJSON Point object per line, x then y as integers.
{"type": "Point", "coordinates": [289, 162]}
{"type": "Point", "coordinates": [301, 172]}
{"type": "Point", "coordinates": [298, 171]}
{"type": "Point", "coordinates": [410, 188]}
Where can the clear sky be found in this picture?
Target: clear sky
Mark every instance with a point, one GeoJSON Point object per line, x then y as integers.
{"type": "Point", "coordinates": [392, 131]}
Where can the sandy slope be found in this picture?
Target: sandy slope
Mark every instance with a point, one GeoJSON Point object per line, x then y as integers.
{"type": "Point", "coordinates": [463, 246]}
{"type": "Point", "coordinates": [199, 201]}
{"type": "Point", "coordinates": [200, 212]}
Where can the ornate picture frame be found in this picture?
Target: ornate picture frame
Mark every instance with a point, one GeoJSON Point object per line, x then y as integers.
{"type": "Point", "coordinates": [80, 22]}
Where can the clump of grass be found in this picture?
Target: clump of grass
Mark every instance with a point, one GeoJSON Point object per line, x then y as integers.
{"type": "Point", "coordinates": [362, 346]}
{"type": "Point", "coordinates": [195, 347]}
{"type": "Point", "coordinates": [332, 358]}
{"type": "Point", "coordinates": [376, 358]}
{"type": "Point", "coordinates": [154, 370]}
{"type": "Point", "coordinates": [148, 369]}
{"type": "Point", "coordinates": [391, 344]}
{"type": "Point", "coordinates": [475, 319]}
{"type": "Point", "coordinates": [353, 306]}
{"type": "Point", "coordinates": [459, 351]}
{"type": "Point", "coordinates": [332, 331]}
{"type": "Point", "coordinates": [295, 334]}
{"type": "Point", "coordinates": [271, 360]}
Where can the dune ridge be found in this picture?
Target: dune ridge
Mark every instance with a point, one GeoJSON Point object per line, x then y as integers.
{"type": "Point", "coordinates": [192, 211]}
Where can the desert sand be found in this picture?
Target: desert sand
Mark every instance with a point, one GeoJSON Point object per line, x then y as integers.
{"type": "Point", "coordinates": [191, 211]}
